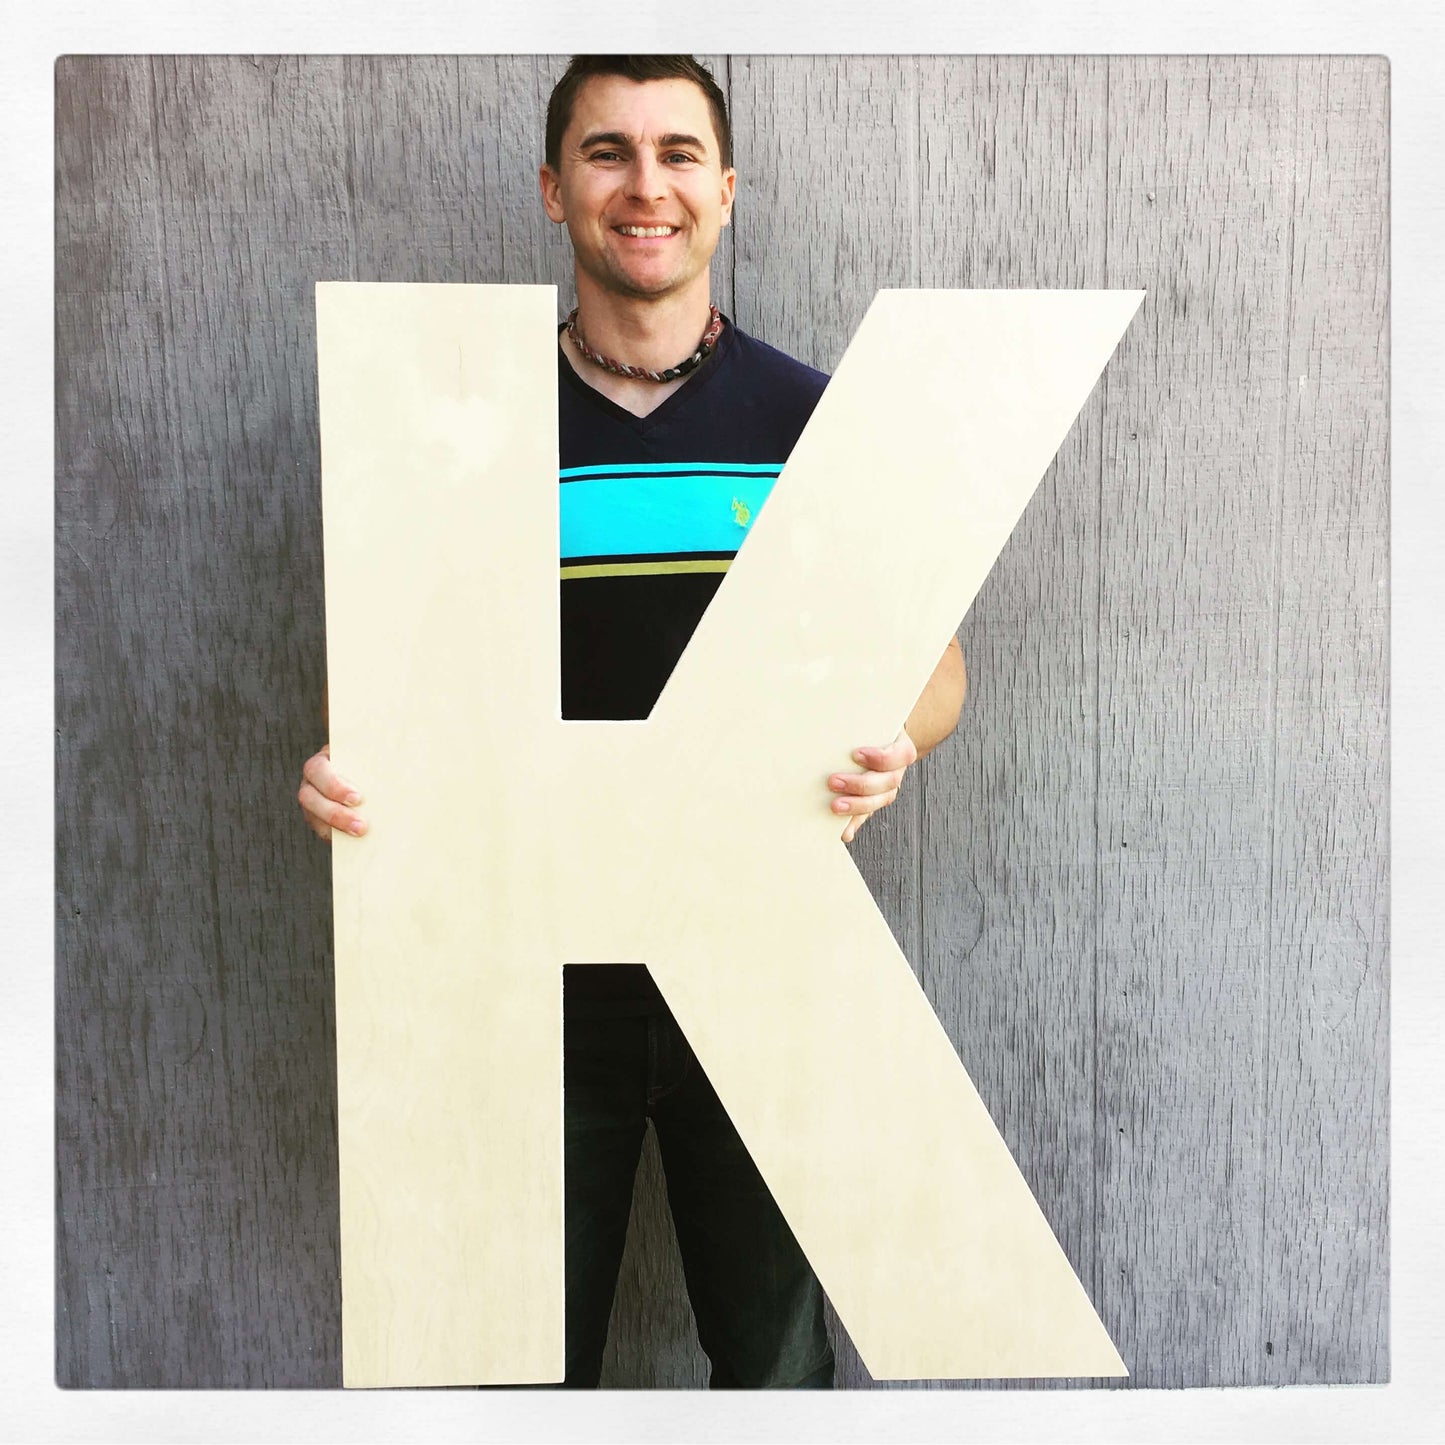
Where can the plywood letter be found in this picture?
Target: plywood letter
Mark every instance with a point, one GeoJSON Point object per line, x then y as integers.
{"type": "Point", "coordinates": [505, 843]}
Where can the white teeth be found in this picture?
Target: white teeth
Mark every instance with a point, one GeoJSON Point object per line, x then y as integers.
{"type": "Point", "coordinates": [647, 230]}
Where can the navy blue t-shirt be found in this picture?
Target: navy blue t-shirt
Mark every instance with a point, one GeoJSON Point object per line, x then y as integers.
{"type": "Point", "coordinates": [653, 509]}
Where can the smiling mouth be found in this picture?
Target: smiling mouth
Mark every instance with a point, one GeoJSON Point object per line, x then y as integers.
{"type": "Point", "coordinates": [647, 233]}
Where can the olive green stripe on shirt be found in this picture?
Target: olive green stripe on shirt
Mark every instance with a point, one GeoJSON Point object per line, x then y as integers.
{"type": "Point", "coordinates": [646, 569]}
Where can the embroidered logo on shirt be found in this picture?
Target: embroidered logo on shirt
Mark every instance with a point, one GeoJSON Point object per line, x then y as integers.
{"type": "Point", "coordinates": [741, 515]}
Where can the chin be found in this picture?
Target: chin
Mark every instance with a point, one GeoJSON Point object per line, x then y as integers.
{"type": "Point", "coordinates": [639, 286]}
{"type": "Point", "coordinates": [642, 290]}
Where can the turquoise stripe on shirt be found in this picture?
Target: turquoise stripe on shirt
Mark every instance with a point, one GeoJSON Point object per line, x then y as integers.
{"type": "Point", "coordinates": [668, 507]}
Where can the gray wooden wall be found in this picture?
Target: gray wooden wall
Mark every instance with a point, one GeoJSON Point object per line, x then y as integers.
{"type": "Point", "coordinates": [1145, 886]}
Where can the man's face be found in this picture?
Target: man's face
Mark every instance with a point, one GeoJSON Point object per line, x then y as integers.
{"type": "Point", "coordinates": [641, 185]}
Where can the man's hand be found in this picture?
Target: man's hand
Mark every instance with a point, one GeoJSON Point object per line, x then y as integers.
{"type": "Point", "coordinates": [862, 794]}
{"type": "Point", "coordinates": [327, 799]}
{"type": "Point", "coordinates": [934, 716]}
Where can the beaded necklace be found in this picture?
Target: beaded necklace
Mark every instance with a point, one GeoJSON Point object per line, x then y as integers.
{"type": "Point", "coordinates": [641, 373]}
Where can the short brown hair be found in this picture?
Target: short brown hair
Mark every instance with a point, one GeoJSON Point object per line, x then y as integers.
{"type": "Point", "coordinates": [633, 67]}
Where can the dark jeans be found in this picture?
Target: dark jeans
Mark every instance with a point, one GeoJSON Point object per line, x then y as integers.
{"type": "Point", "coordinates": [757, 1303]}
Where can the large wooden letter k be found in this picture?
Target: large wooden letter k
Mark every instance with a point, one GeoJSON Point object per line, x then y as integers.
{"type": "Point", "coordinates": [506, 843]}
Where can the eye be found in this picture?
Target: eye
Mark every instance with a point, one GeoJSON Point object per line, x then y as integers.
{"type": "Point", "coordinates": [681, 156]}
{"type": "Point", "coordinates": [604, 156]}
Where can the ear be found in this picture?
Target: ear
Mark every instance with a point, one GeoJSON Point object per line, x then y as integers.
{"type": "Point", "coordinates": [551, 184]}
{"type": "Point", "coordinates": [729, 189]}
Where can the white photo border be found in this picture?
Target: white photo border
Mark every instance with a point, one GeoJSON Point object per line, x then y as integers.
{"type": "Point", "coordinates": [1410, 35]}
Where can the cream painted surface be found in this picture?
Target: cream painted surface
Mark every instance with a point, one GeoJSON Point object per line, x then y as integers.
{"type": "Point", "coordinates": [602, 842]}
{"type": "Point", "coordinates": [438, 422]}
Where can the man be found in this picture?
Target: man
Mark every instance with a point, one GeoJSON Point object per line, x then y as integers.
{"type": "Point", "coordinates": [672, 426]}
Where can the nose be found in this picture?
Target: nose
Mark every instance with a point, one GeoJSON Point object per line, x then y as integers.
{"type": "Point", "coordinates": [646, 179]}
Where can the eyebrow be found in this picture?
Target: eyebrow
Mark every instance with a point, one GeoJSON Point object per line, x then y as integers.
{"type": "Point", "coordinates": [616, 138]}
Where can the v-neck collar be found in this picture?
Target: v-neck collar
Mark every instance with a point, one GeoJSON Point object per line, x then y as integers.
{"type": "Point", "coordinates": [663, 413]}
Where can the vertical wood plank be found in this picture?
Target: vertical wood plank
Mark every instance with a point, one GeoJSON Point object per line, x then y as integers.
{"type": "Point", "coordinates": [809, 255]}
{"type": "Point", "coordinates": [1198, 213]}
{"type": "Point", "coordinates": [254, 208]}
{"type": "Point", "coordinates": [1326, 1228]}
{"type": "Point", "coordinates": [1014, 180]}
{"type": "Point", "coordinates": [127, 887]}
{"type": "Point", "coordinates": [417, 164]}
{"type": "Point", "coordinates": [217, 1206]}
{"type": "Point", "coordinates": [443, 155]}
{"type": "Point", "coordinates": [148, 1095]}
{"type": "Point", "coordinates": [508, 96]}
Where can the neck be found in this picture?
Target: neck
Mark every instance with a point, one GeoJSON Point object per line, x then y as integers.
{"type": "Point", "coordinates": [640, 331]}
